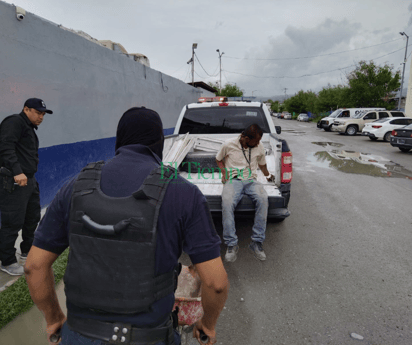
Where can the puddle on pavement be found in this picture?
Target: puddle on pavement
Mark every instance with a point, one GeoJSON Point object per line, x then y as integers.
{"type": "Point", "coordinates": [327, 143]}
{"type": "Point", "coordinates": [359, 163]}
{"type": "Point", "coordinates": [293, 131]}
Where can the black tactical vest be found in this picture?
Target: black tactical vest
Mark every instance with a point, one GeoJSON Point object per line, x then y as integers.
{"type": "Point", "coordinates": [111, 264]}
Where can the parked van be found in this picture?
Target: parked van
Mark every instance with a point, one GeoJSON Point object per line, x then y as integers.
{"type": "Point", "coordinates": [327, 122]}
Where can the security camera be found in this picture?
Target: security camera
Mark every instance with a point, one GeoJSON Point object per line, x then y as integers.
{"type": "Point", "coordinates": [20, 13]}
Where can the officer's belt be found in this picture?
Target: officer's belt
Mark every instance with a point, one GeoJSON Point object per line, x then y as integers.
{"type": "Point", "coordinates": [120, 333]}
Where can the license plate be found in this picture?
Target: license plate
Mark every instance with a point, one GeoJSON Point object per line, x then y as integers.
{"type": "Point", "coordinates": [401, 141]}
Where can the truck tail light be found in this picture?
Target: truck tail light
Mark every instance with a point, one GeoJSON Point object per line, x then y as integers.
{"type": "Point", "coordinates": [286, 172]}
{"type": "Point", "coordinates": [376, 126]}
{"type": "Point", "coordinates": [394, 133]}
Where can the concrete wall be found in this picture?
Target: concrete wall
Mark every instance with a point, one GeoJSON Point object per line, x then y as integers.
{"type": "Point", "coordinates": [87, 86]}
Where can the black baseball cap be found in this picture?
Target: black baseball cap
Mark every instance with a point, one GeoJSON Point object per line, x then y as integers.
{"type": "Point", "coordinates": [37, 104]}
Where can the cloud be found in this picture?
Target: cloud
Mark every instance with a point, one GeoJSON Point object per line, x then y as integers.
{"type": "Point", "coordinates": [323, 37]}
{"type": "Point", "coordinates": [305, 57]}
{"type": "Point", "coordinates": [284, 56]}
{"type": "Point", "coordinates": [218, 25]}
{"type": "Point", "coordinates": [410, 10]}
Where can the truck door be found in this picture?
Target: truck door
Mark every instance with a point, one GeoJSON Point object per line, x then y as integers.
{"type": "Point", "coordinates": [369, 117]}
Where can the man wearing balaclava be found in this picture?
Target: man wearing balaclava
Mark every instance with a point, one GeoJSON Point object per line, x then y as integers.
{"type": "Point", "coordinates": [126, 222]}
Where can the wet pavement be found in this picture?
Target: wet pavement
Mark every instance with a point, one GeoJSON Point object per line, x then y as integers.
{"type": "Point", "coordinates": [338, 269]}
{"type": "Point", "coordinates": [353, 162]}
{"type": "Point", "coordinates": [327, 143]}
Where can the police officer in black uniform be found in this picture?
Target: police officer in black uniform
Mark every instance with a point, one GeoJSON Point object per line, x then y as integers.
{"type": "Point", "coordinates": [19, 190]}
{"type": "Point", "coordinates": [126, 222]}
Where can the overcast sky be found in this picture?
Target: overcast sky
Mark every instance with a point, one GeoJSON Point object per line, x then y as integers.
{"type": "Point", "coordinates": [268, 45]}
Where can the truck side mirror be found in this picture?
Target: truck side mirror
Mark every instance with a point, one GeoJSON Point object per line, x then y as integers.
{"type": "Point", "coordinates": [278, 129]}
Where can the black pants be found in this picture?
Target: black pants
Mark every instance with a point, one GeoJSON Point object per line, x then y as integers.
{"type": "Point", "coordinates": [19, 209]}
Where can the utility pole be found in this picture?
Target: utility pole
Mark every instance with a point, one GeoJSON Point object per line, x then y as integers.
{"type": "Point", "coordinates": [192, 60]}
{"type": "Point", "coordinates": [220, 62]}
{"type": "Point", "coordinates": [403, 73]}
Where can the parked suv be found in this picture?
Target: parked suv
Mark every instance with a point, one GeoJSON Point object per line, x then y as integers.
{"type": "Point", "coordinates": [355, 124]}
{"type": "Point", "coordinates": [327, 122]}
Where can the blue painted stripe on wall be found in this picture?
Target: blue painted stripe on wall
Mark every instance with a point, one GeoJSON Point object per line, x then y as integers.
{"type": "Point", "coordinates": [60, 163]}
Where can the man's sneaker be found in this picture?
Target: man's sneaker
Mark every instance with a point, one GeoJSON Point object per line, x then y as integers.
{"type": "Point", "coordinates": [257, 249]}
{"type": "Point", "coordinates": [13, 269]}
{"type": "Point", "coordinates": [23, 256]}
{"type": "Point", "coordinates": [231, 253]}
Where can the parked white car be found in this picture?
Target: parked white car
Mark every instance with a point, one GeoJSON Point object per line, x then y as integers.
{"type": "Point", "coordinates": [303, 117]}
{"type": "Point", "coordinates": [381, 129]}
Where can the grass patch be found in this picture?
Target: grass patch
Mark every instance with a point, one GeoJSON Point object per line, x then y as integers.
{"type": "Point", "coordinates": [16, 299]}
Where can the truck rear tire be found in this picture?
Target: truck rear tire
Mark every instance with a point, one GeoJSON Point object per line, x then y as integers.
{"type": "Point", "coordinates": [404, 149]}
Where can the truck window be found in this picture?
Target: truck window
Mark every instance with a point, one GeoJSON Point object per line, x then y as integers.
{"type": "Point", "coordinates": [229, 119]}
{"type": "Point", "coordinates": [335, 113]}
{"type": "Point", "coordinates": [397, 114]}
{"type": "Point", "coordinates": [383, 114]}
{"type": "Point", "coordinates": [370, 116]}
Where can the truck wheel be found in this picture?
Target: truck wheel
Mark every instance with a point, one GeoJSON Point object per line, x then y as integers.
{"type": "Point", "coordinates": [404, 149]}
{"type": "Point", "coordinates": [327, 129]}
{"type": "Point", "coordinates": [351, 130]}
{"type": "Point", "coordinates": [387, 137]}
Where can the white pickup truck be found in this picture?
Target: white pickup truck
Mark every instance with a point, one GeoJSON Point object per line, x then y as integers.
{"type": "Point", "coordinates": [199, 133]}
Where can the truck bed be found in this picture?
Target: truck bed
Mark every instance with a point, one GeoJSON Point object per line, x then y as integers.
{"type": "Point", "coordinates": [211, 185]}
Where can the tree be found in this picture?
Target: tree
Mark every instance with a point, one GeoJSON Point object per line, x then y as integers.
{"type": "Point", "coordinates": [275, 107]}
{"type": "Point", "coordinates": [230, 90]}
{"type": "Point", "coordinates": [372, 86]}
{"type": "Point", "coordinates": [331, 98]}
{"type": "Point", "coordinates": [301, 102]}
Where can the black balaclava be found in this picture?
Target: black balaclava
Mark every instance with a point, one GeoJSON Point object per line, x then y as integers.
{"type": "Point", "coordinates": [141, 126]}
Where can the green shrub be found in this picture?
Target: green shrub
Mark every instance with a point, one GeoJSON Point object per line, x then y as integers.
{"type": "Point", "coordinates": [16, 299]}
